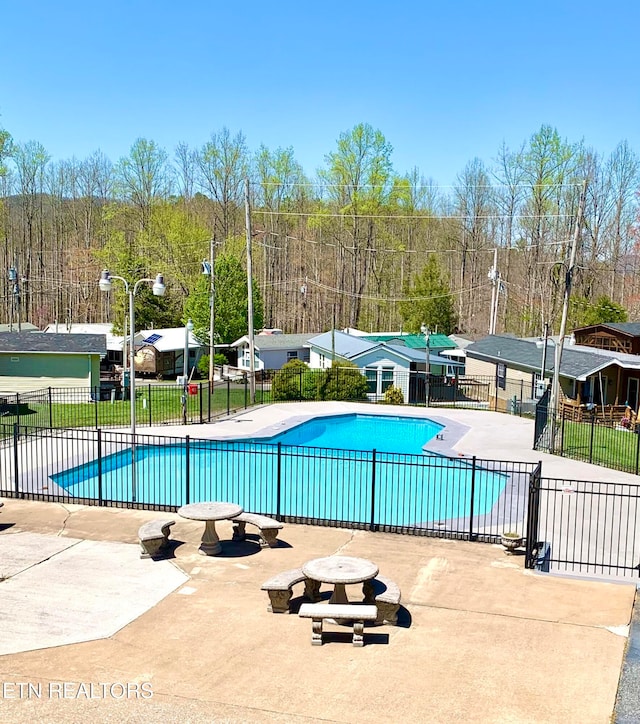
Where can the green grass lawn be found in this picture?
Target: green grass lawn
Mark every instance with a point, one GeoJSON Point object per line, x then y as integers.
{"type": "Point", "coordinates": [155, 404]}
{"type": "Point", "coordinates": [616, 449]}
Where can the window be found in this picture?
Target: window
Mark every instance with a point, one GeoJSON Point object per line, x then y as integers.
{"type": "Point", "coordinates": [501, 376]}
{"type": "Point", "coordinates": [306, 355]}
{"type": "Point", "coordinates": [371, 375]}
{"type": "Point", "coordinates": [292, 355]}
{"type": "Point", "coordinates": [387, 378]}
{"type": "Point", "coordinates": [322, 360]}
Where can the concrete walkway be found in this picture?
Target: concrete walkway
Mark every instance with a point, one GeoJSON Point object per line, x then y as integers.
{"type": "Point", "coordinates": [480, 640]}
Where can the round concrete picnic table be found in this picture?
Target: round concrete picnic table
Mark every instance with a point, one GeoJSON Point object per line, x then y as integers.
{"type": "Point", "coordinates": [340, 570]}
{"type": "Point", "coordinates": [210, 513]}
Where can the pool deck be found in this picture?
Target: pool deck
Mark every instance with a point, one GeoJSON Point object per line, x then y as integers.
{"type": "Point", "coordinates": [481, 639]}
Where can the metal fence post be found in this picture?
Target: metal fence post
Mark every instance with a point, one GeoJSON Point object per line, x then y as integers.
{"type": "Point", "coordinates": [279, 483]}
{"type": "Point", "coordinates": [50, 409]}
{"type": "Point", "coordinates": [187, 471]}
{"type": "Point", "coordinates": [473, 494]}
{"type": "Point", "coordinates": [228, 396]}
{"type": "Point", "coordinates": [149, 403]}
{"type": "Point", "coordinates": [521, 384]}
{"type": "Point", "coordinates": [200, 401]}
{"type": "Point", "coordinates": [637, 449]}
{"type": "Point", "coordinates": [533, 515]}
{"type": "Point", "coordinates": [18, 407]}
{"type": "Point", "coordinates": [16, 435]}
{"type": "Point", "coordinates": [593, 430]}
{"type": "Point", "coordinates": [372, 524]}
{"type": "Point", "coordinates": [96, 401]}
{"type": "Point", "coordinates": [99, 458]}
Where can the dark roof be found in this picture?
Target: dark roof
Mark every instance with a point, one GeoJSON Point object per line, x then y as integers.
{"type": "Point", "coordinates": [630, 328]}
{"type": "Point", "coordinates": [575, 364]}
{"type": "Point", "coordinates": [53, 343]}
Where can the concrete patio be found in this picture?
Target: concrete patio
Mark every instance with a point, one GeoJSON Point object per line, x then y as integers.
{"type": "Point", "coordinates": [481, 640]}
{"type": "Point", "coordinates": [189, 639]}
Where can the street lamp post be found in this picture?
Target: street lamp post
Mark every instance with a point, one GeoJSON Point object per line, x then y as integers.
{"type": "Point", "coordinates": [158, 288]}
{"type": "Point", "coordinates": [427, 332]}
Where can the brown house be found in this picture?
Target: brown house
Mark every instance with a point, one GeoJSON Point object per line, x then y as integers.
{"type": "Point", "coordinates": [616, 337]}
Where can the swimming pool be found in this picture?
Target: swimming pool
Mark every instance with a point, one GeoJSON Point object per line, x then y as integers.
{"type": "Point", "coordinates": [296, 474]}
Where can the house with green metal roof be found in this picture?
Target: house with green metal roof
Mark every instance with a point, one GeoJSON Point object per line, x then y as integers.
{"type": "Point", "coordinates": [437, 342]}
{"type": "Point", "coordinates": [383, 363]}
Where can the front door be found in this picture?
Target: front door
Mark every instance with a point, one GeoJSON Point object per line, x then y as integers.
{"type": "Point", "coordinates": [633, 387]}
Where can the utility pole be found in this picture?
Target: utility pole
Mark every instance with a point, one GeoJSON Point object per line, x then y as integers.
{"type": "Point", "coordinates": [212, 315]}
{"type": "Point", "coordinates": [568, 280]}
{"type": "Point", "coordinates": [252, 363]}
{"type": "Point", "coordinates": [494, 275]}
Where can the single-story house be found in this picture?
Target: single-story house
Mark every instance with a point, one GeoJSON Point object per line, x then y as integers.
{"type": "Point", "coordinates": [30, 361]}
{"type": "Point", "coordinates": [587, 374]}
{"type": "Point", "coordinates": [160, 352]}
{"type": "Point", "coordinates": [621, 337]}
{"type": "Point", "coordinates": [272, 351]}
{"type": "Point", "coordinates": [383, 364]}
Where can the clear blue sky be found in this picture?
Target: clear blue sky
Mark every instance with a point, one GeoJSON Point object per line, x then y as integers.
{"type": "Point", "coordinates": [444, 81]}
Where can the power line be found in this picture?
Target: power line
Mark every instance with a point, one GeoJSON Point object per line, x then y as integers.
{"type": "Point", "coordinates": [371, 297]}
{"type": "Point", "coordinates": [390, 185]}
{"type": "Point", "coordinates": [415, 217]}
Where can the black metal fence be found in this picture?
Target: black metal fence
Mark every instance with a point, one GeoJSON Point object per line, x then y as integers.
{"type": "Point", "coordinates": [167, 404]}
{"type": "Point", "coordinates": [590, 439]}
{"type": "Point", "coordinates": [56, 407]}
{"type": "Point", "coordinates": [464, 498]}
{"type": "Point", "coordinates": [583, 527]}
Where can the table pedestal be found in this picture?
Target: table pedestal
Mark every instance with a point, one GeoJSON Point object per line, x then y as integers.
{"type": "Point", "coordinates": [339, 594]}
{"type": "Point", "coordinates": [210, 544]}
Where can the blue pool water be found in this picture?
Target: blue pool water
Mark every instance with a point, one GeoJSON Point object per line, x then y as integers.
{"type": "Point", "coordinates": [322, 469]}
{"type": "Point", "coordinates": [385, 433]}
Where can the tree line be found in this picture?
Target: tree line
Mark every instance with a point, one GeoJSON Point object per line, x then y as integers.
{"type": "Point", "coordinates": [359, 244]}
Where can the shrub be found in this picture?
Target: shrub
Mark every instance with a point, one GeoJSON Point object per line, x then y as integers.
{"type": "Point", "coordinates": [295, 381]}
{"type": "Point", "coordinates": [203, 363]}
{"type": "Point", "coordinates": [393, 396]}
{"type": "Point", "coordinates": [342, 381]}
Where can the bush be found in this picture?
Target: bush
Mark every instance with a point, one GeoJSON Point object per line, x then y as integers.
{"type": "Point", "coordinates": [203, 363]}
{"type": "Point", "coordinates": [342, 381]}
{"type": "Point", "coordinates": [393, 396]}
{"type": "Point", "coordinates": [295, 381]}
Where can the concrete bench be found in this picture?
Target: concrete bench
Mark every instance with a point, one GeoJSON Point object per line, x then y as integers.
{"type": "Point", "coordinates": [154, 537]}
{"type": "Point", "coordinates": [318, 612]}
{"type": "Point", "coordinates": [387, 600]}
{"type": "Point", "coordinates": [280, 589]}
{"type": "Point", "coordinates": [267, 528]}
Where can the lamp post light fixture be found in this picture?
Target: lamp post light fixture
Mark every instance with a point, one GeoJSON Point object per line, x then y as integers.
{"type": "Point", "coordinates": [158, 288]}
{"type": "Point", "coordinates": [544, 343]}
{"type": "Point", "coordinates": [427, 333]}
